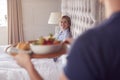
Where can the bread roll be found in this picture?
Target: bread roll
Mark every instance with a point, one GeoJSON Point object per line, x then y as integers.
{"type": "Point", "coordinates": [23, 46]}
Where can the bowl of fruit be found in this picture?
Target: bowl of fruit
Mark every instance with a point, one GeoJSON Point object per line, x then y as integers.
{"type": "Point", "coordinates": [45, 45]}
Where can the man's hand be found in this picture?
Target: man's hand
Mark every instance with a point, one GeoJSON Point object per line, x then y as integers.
{"type": "Point", "coordinates": [23, 60]}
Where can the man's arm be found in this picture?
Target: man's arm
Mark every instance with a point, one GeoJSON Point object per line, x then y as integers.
{"type": "Point", "coordinates": [24, 61]}
{"type": "Point", "coordinates": [33, 73]}
{"type": "Point", "coordinates": [63, 77]}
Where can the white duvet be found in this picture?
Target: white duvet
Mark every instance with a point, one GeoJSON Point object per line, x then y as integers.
{"type": "Point", "coordinates": [9, 70]}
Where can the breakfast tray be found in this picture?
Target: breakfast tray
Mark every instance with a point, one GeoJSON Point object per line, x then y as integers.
{"type": "Point", "coordinates": [62, 51]}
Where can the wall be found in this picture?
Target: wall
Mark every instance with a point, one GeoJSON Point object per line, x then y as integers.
{"type": "Point", "coordinates": [35, 17]}
{"type": "Point", "coordinates": [3, 35]}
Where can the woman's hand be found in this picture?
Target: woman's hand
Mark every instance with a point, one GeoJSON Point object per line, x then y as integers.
{"type": "Point", "coordinates": [68, 40]}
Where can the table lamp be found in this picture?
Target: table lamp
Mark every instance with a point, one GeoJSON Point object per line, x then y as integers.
{"type": "Point", "coordinates": [54, 18]}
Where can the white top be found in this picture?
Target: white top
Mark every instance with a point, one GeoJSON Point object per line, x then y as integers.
{"type": "Point", "coordinates": [62, 35]}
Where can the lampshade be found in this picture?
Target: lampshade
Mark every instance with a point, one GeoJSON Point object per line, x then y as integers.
{"type": "Point", "coordinates": [54, 18]}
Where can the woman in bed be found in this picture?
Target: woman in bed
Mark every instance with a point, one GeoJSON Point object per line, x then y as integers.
{"type": "Point", "coordinates": [64, 32]}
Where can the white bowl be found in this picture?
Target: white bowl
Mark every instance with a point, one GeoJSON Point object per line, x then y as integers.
{"type": "Point", "coordinates": [45, 49]}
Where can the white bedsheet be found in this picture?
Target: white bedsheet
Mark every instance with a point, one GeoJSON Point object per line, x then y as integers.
{"type": "Point", "coordinates": [9, 70]}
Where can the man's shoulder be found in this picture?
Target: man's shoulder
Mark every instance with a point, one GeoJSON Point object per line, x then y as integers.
{"type": "Point", "coordinates": [106, 25]}
{"type": "Point", "coordinates": [98, 31]}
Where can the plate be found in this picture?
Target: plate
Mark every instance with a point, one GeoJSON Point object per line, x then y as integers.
{"type": "Point", "coordinates": [14, 50]}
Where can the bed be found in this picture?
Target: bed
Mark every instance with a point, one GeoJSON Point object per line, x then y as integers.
{"type": "Point", "coordinates": [9, 70]}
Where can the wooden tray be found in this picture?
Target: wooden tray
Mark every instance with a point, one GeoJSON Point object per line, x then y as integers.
{"type": "Point", "coordinates": [49, 55]}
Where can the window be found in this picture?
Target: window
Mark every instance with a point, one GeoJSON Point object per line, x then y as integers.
{"type": "Point", "coordinates": [3, 13]}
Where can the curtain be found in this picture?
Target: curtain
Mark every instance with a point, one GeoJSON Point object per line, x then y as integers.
{"type": "Point", "coordinates": [15, 23]}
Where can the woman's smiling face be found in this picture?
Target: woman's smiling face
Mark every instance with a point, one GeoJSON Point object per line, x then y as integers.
{"type": "Point", "coordinates": [64, 24]}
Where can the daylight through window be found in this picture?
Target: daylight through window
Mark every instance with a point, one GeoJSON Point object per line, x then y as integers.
{"type": "Point", "coordinates": [3, 13]}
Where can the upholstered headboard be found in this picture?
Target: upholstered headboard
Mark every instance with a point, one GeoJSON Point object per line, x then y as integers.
{"type": "Point", "coordinates": [84, 14]}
